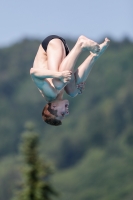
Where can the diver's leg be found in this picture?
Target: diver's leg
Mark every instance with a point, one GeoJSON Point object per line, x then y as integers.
{"type": "Point", "coordinates": [55, 55]}
{"type": "Point", "coordinates": [82, 44]}
{"type": "Point", "coordinates": [58, 61]}
{"type": "Point", "coordinates": [84, 69]}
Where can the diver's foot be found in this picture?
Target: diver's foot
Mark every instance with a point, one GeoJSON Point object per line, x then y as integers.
{"type": "Point", "coordinates": [103, 47]}
{"type": "Point", "coordinates": [93, 46]}
{"type": "Point", "coordinates": [89, 44]}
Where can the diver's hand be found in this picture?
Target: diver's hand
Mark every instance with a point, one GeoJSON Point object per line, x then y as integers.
{"type": "Point", "coordinates": [80, 87]}
{"type": "Point", "coordinates": [65, 76]}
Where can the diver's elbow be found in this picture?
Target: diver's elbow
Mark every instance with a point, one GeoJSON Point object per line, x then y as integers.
{"type": "Point", "coordinates": [32, 71]}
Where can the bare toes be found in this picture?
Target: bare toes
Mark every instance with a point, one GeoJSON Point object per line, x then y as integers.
{"type": "Point", "coordinates": [107, 40]}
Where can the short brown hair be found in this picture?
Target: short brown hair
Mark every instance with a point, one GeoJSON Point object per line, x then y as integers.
{"type": "Point", "coordinates": [49, 115]}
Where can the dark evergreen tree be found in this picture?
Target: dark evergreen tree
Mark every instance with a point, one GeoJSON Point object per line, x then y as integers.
{"type": "Point", "coordinates": [35, 172]}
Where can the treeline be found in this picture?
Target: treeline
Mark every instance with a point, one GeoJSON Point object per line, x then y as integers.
{"type": "Point", "coordinates": [92, 150]}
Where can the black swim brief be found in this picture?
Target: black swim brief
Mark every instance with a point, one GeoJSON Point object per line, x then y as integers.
{"type": "Point", "coordinates": [47, 40]}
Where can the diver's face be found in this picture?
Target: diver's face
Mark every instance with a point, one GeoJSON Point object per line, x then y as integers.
{"type": "Point", "coordinates": [62, 108]}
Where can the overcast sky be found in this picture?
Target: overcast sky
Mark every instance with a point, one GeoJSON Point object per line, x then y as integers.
{"type": "Point", "coordinates": [71, 18]}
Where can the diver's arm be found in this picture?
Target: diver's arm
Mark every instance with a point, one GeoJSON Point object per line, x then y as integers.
{"type": "Point", "coordinates": [43, 73]}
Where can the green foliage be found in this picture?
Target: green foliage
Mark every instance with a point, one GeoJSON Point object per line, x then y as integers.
{"type": "Point", "coordinates": [35, 172]}
{"type": "Point", "coordinates": [92, 150]}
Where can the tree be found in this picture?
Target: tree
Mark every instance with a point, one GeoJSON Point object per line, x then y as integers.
{"type": "Point", "coordinates": [35, 172]}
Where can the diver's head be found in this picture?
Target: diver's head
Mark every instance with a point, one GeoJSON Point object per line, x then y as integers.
{"type": "Point", "coordinates": [55, 111]}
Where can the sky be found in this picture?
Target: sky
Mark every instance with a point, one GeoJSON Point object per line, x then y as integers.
{"type": "Point", "coordinates": [37, 19]}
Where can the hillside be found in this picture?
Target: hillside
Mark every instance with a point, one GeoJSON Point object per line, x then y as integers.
{"type": "Point", "coordinates": [92, 150]}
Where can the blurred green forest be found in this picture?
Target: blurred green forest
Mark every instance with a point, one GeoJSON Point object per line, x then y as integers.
{"type": "Point", "coordinates": [92, 151]}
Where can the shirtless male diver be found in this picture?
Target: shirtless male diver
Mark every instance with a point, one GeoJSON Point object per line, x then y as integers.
{"type": "Point", "coordinates": [53, 73]}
